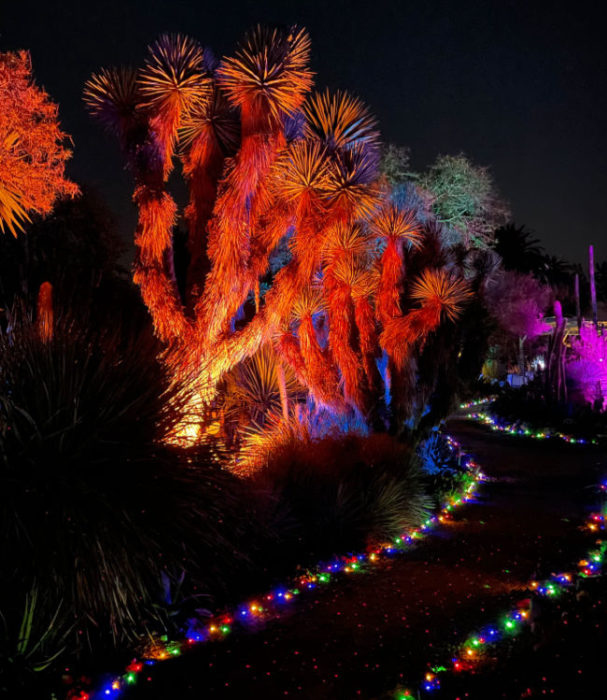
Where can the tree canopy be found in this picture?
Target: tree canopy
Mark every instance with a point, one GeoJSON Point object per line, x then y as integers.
{"type": "Point", "coordinates": [32, 146]}
{"type": "Point", "coordinates": [465, 199]}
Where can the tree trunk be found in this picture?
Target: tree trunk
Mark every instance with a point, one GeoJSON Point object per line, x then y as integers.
{"type": "Point", "coordinates": [521, 356]}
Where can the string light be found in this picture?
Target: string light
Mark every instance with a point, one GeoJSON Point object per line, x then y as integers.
{"type": "Point", "coordinates": [477, 402]}
{"type": "Point", "coordinates": [501, 426]}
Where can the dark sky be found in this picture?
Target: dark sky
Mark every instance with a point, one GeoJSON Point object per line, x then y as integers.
{"type": "Point", "coordinates": [514, 85]}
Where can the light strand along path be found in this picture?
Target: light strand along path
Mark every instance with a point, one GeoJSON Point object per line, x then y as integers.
{"type": "Point", "coordinates": [367, 634]}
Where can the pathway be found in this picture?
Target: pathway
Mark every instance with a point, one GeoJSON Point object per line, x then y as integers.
{"type": "Point", "coordinates": [365, 635]}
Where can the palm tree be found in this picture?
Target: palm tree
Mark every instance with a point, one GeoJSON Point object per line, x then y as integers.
{"type": "Point", "coordinates": [519, 250]}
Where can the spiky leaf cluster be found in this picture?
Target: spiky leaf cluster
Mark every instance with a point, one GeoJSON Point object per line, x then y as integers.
{"type": "Point", "coordinates": [174, 74]}
{"type": "Point", "coordinates": [269, 71]}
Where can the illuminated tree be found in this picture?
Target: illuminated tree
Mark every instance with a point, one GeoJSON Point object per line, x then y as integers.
{"type": "Point", "coordinates": [32, 151]}
{"type": "Point", "coordinates": [518, 302]}
{"type": "Point", "coordinates": [465, 200]}
{"type": "Point", "coordinates": [586, 367]}
{"type": "Point", "coordinates": [270, 166]}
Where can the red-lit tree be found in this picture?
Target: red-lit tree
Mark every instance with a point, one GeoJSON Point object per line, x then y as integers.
{"type": "Point", "coordinates": [266, 161]}
{"type": "Point", "coordinates": [32, 151]}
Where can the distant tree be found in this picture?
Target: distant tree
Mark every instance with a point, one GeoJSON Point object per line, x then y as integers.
{"type": "Point", "coordinates": [32, 151]}
{"type": "Point", "coordinates": [465, 200]}
{"type": "Point", "coordinates": [517, 302]}
{"type": "Point", "coordinates": [556, 272]}
{"type": "Point", "coordinates": [395, 164]}
{"type": "Point", "coordinates": [559, 275]}
{"type": "Point", "coordinates": [519, 250]}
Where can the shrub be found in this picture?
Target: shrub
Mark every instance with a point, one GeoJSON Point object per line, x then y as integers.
{"type": "Point", "coordinates": [338, 494]}
{"type": "Point", "coordinates": [93, 507]}
{"type": "Point", "coordinates": [442, 471]}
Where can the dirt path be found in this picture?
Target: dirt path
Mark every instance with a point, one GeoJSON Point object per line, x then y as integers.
{"type": "Point", "coordinates": [367, 634]}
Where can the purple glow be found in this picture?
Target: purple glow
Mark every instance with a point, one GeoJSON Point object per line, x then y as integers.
{"type": "Point", "coordinates": [587, 368]}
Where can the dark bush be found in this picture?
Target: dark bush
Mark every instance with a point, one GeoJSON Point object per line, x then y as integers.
{"type": "Point", "coordinates": [339, 494]}
{"type": "Point", "coordinates": [440, 466]}
{"type": "Point", "coordinates": [530, 407]}
{"type": "Point", "coordinates": [95, 512]}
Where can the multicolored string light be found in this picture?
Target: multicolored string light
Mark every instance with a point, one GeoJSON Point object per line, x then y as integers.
{"type": "Point", "coordinates": [477, 402]}
{"type": "Point", "coordinates": [270, 606]}
{"type": "Point", "coordinates": [475, 648]}
{"type": "Point", "coordinates": [502, 426]}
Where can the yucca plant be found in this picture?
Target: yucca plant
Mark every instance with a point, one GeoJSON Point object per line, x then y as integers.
{"type": "Point", "coordinates": [256, 390]}
{"type": "Point", "coordinates": [93, 506]}
{"type": "Point", "coordinates": [269, 163]}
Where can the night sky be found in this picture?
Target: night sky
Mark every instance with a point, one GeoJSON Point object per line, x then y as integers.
{"type": "Point", "coordinates": [512, 85]}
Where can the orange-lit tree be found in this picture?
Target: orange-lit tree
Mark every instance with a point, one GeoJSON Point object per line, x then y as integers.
{"type": "Point", "coordinates": [268, 162]}
{"type": "Point", "coordinates": [32, 151]}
